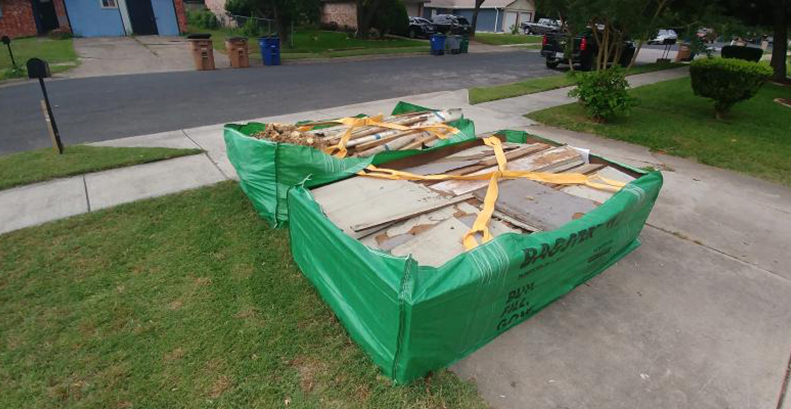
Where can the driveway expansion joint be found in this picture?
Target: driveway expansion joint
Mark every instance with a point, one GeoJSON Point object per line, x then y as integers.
{"type": "Point", "coordinates": [87, 198]}
{"type": "Point", "coordinates": [684, 237]}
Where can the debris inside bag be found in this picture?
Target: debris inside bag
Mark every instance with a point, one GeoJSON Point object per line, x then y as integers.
{"type": "Point", "coordinates": [367, 136]}
{"type": "Point", "coordinates": [427, 219]}
{"type": "Point", "coordinates": [290, 134]}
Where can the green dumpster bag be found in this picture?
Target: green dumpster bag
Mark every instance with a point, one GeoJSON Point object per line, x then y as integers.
{"type": "Point", "coordinates": [412, 319]}
{"type": "Point", "coordinates": [268, 169]}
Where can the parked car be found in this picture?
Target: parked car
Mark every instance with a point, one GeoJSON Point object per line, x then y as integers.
{"type": "Point", "coordinates": [583, 53]}
{"type": "Point", "coordinates": [542, 26]}
{"type": "Point", "coordinates": [420, 27]}
{"type": "Point", "coordinates": [664, 37]}
{"type": "Point", "coordinates": [451, 24]}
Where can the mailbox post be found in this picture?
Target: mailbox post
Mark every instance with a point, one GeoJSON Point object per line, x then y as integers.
{"type": "Point", "coordinates": [7, 42]}
{"type": "Point", "coordinates": [38, 68]}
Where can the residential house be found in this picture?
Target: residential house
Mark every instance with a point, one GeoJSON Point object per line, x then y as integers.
{"type": "Point", "coordinates": [344, 12]}
{"type": "Point", "coordinates": [92, 18]}
{"type": "Point", "coordinates": [494, 15]}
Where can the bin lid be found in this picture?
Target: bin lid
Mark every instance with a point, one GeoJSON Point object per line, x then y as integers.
{"type": "Point", "coordinates": [236, 39]}
{"type": "Point", "coordinates": [199, 36]}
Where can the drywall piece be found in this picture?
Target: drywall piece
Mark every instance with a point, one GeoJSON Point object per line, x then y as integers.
{"type": "Point", "coordinates": [552, 160]}
{"type": "Point", "coordinates": [362, 200]}
{"type": "Point", "coordinates": [440, 167]}
{"type": "Point", "coordinates": [436, 246]}
{"type": "Point", "coordinates": [538, 205]}
{"type": "Point", "coordinates": [598, 195]}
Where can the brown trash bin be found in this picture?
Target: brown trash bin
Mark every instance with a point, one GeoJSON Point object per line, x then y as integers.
{"type": "Point", "coordinates": [236, 47]}
{"type": "Point", "coordinates": [202, 54]}
{"type": "Point", "coordinates": [684, 53]}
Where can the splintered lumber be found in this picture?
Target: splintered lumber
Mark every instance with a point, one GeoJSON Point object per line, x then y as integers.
{"type": "Point", "coordinates": [491, 160]}
{"type": "Point", "coordinates": [552, 160]}
{"type": "Point", "coordinates": [538, 205]}
{"type": "Point", "coordinates": [585, 169]}
{"type": "Point", "coordinates": [435, 246]}
{"type": "Point", "coordinates": [598, 195]}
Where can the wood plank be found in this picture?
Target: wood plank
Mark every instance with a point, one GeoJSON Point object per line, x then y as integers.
{"type": "Point", "coordinates": [597, 195]}
{"type": "Point", "coordinates": [550, 160]}
{"type": "Point", "coordinates": [538, 205]}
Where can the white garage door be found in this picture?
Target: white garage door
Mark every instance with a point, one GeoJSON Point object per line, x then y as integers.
{"type": "Point", "coordinates": [509, 20]}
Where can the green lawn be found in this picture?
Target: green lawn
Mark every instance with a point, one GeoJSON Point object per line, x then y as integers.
{"type": "Point", "coordinates": [755, 138]}
{"type": "Point", "coordinates": [310, 43]}
{"type": "Point", "coordinates": [44, 164]}
{"type": "Point", "coordinates": [58, 53]}
{"type": "Point", "coordinates": [503, 39]}
{"type": "Point", "coordinates": [185, 301]}
{"type": "Point", "coordinates": [533, 85]}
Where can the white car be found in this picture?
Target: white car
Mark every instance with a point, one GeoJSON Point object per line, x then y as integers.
{"type": "Point", "coordinates": [664, 37]}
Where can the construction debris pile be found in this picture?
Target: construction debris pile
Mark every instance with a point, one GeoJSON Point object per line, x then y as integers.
{"type": "Point", "coordinates": [426, 255]}
{"type": "Point", "coordinates": [367, 136]}
{"type": "Point", "coordinates": [427, 219]}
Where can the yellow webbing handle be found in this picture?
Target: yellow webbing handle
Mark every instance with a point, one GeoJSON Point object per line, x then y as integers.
{"type": "Point", "coordinates": [482, 221]}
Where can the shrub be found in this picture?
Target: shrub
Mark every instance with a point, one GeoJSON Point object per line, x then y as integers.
{"type": "Point", "coordinates": [742, 53]}
{"type": "Point", "coordinates": [203, 19]}
{"type": "Point", "coordinates": [603, 93]}
{"type": "Point", "coordinates": [251, 28]}
{"type": "Point", "coordinates": [727, 80]}
{"type": "Point", "coordinates": [60, 34]}
{"type": "Point", "coordinates": [391, 18]}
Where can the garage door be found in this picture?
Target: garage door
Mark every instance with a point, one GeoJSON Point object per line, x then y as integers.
{"type": "Point", "coordinates": [95, 18]}
{"type": "Point", "coordinates": [509, 20]}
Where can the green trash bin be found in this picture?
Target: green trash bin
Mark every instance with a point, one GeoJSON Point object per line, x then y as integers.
{"type": "Point", "coordinates": [464, 46]}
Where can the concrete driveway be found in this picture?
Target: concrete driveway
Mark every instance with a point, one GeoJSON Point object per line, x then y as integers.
{"type": "Point", "coordinates": [101, 56]}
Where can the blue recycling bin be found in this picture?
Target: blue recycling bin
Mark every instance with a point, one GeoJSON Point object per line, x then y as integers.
{"type": "Point", "coordinates": [438, 44]}
{"type": "Point", "coordinates": [270, 49]}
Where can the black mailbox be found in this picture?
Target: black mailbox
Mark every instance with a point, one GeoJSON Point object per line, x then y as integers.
{"type": "Point", "coordinates": [37, 68]}
{"type": "Point", "coordinates": [6, 40]}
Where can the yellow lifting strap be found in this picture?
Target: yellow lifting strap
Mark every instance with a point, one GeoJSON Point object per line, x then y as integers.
{"type": "Point", "coordinates": [482, 221]}
{"type": "Point", "coordinates": [439, 130]}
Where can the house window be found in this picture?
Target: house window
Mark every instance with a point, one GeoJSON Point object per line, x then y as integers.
{"type": "Point", "coordinates": [108, 4]}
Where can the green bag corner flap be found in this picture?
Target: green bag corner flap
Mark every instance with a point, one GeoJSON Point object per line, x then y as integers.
{"type": "Point", "coordinates": [267, 170]}
{"type": "Point", "coordinates": [413, 319]}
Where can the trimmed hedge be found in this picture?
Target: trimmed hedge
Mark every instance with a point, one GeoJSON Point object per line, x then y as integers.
{"type": "Point", "coordinates": [727, 80]}
{"type": "Point", "coordinates": [603, 93]}
{"type": "Point", "coordinates": [742, 53]}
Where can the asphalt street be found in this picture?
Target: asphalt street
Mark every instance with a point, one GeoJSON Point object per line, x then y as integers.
{"type": "Point", "coordinates": [102, 108]}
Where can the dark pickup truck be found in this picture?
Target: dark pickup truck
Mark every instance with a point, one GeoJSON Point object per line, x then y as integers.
{"type": "Point", "coordinates": [583, 53]}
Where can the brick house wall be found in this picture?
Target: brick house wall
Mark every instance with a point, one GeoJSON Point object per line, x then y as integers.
{"type": "Point", "coordinates": [181, 15]}
{"type": "Point", "coordinates": [17, 18]}
{"type": "Point", "coordinates": [342, 13]}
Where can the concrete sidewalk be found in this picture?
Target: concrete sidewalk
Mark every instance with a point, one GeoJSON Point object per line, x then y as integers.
{"type": "Point", "coordinates": [698, 317]}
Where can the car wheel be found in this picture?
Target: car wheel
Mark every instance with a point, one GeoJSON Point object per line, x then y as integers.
{"type": "Point", "coordinates": [412, 33]}
{"type": "Point", "coordinates": [586, 65]}
{"type": "Point", "coordinates": [552, 64]}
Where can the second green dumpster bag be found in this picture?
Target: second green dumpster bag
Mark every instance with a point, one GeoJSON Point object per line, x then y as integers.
{"type": "Point", "coordinates": [268, 169]}
{"type": "Point", "coordinates": [413, 319]}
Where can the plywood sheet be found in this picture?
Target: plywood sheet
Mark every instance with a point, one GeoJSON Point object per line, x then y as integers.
{"type": "Point", "coordinates": [538, 205]}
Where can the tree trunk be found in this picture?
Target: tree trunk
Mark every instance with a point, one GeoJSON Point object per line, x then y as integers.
{"type": "Point", "coordinates": [780, 48]}
{"type": "Point", "coordinates": [282, 25]}
{"type": "Point", "coordinates": [474, 23]}
{"type": "Point", "coordinates": [364, 17]}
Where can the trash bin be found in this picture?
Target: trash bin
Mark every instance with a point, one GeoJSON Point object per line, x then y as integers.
{"type": "Point", "coordinates": [270, 49]}
{"type": "Point", "coordinates": [453, 44]}
{"type": "Point", "coordinates": [464, 47]}
{"type": "Point", "coordinates": [438, 44]}
{"type": "Point", "coordinates": [237, 52]}
{"type": "Point", "coordinates": [202, 51]}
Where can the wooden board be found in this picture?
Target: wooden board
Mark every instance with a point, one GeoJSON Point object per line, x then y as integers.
{"type": "Point", "coordinates": [538, 205]}
{"type": "Point", "coordinates": [597, 195]}
{"type": "Point", "coordinates": [551, 160]}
